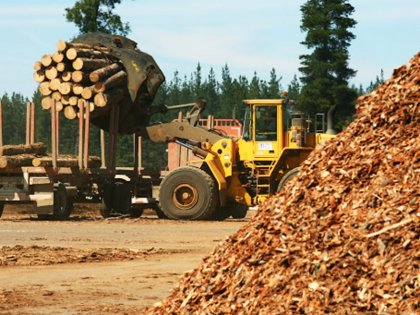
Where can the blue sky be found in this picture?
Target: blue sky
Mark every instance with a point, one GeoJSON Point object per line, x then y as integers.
{"type": "Point", "coordinates": [248, 35]}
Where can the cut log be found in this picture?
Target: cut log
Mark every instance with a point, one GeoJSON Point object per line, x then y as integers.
{"type": "Point", "coordinates": [77, 89]}
{"type": "Point", "coordinates": [46, 102]}
{"type": "Point", "coordinates": [105, 72]}
{"type": "Point", "coordinates": [55, 84]}
{"type": "Point", "coordinates": [61, 67]}
{"type": "Point", "coordinates": [73, 100]}
{"type": "Point", "coordinates": [65, 99]}
{"type": "Point", "coordinates": [65, 88]}
{"type": "Point", "coordinates": [58, 106]}
{"type": "Point", "coordinates": [79, 76]}
{"type": "Point", "coordinates": [16, 160]}
{"type": "Point", "coordinates": [58, 57]}
{"type": "Point", "coordinates": [38, 66]}
{"type": "Point", "coordinates": [118, 79]}
{"type": "Point", "coordinates": [70, 112]}
{"type": "Point", "coordinates": [110, 97]}
{"type": "Point", "coordinates": [46, 60]}
{"type": "Point", "coordinates": [89, 64]}
{"type": "Point", "coordinates": [51, 73]}
{"type": "Point", "coordinates": [87, 92]}
{"type": "Point", "coordinates": [56, 95]}
{"type": "Point", "coordinates": [38, 148]}
{"type": "Point", "coordinates": [66, 76]}
{"type": "Point", "coordinates": [39, 76]}
{"type": "Point", "coordinates": [73, 53]}
{"type": "Point", "coordinates": [63, 46]}
{"type": "Point", "coordinates": [44, 88]}
{"type": "Point", "coordinates": [93, 162]}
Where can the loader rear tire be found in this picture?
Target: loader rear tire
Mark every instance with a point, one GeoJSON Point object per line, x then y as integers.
{"type": "Point", "coordinates": [188, 193]}
{"type": "Point", "coordinates": [288, 177]}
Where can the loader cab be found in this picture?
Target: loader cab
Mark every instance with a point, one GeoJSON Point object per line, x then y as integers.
{"type": "Point", "coordinates": [263, 127]}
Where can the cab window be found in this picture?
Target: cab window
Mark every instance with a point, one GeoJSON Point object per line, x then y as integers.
{"type": "Point", "coordinates": [266, 123]}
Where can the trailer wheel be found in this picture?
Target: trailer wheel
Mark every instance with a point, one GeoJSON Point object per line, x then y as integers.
{"type": "Point", "coordinates": [116, 199]}
{"type": "Point", "coordinates": [238, 210]}
{"type": "Point", "coordinates": [136, 211]}
{"type": "Point", "coordinates": [288, 177]}
{"type": "Point", "coordinates": [159, 212]}
{"type": "Point", "coordinates": [63, 204]}
{"type": "Point", "coordinates": [188, 193]}
{"type": "Point", "coordinates": [222, 213]}
{"type": "Point", "coordinates": [1, 208]}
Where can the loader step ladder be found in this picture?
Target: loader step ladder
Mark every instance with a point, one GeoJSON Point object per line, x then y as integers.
{"type": "Point", "coordinates": [263, 171]}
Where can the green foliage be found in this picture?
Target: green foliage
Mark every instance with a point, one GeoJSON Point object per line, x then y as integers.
{"type": "Point", "coordinates": [325, 71]}
{"type": "Point", "coordinates": [224, 100]}
{"type": "Point", "coordinates": [97, 16]}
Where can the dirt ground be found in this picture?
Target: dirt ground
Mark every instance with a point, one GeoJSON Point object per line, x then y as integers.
{"type": "Point", "coordinates": [90, 265]}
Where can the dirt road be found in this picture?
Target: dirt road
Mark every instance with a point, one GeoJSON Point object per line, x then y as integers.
{"type": "Point", "coordinates": [89, 265]}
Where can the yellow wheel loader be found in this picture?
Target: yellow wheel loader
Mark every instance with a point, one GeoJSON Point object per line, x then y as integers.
{"type": "Point", "coordinates": [234, 173]}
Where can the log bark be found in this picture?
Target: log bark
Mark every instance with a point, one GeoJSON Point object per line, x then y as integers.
{"type": "Point", "coordinates": [89, 64]}
{"type": "Point", "coordinates": [70, 112]}
{"type": "Point", "coordinates": [93, 162]}
{"type": "Point", "coordinates": [16, 160]}
{"type": "Point", "coordinates": [38, 148]}
{"type": "Point", "coordinates": [118, 79]}
{"type": "Point", "coordinates": [105, 72]}
{"type": "Point", "coordinates": [109, 97]}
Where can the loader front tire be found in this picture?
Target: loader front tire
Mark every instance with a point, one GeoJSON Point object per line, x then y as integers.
{"type": "Point", "coordinates": [188, 193]}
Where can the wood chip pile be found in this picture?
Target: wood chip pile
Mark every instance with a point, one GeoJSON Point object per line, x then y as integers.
{"type": "Point", "coordinates": [342, 238]}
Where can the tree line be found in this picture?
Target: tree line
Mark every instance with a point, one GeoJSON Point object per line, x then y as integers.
{"type": "Point", "coordinates": [224, 100]}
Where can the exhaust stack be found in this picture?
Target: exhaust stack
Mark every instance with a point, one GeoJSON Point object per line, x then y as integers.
{"type": "Point", "coordinates": [330, 121]}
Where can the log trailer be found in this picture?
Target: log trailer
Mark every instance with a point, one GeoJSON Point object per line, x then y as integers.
{"type": "Point", "coordinates": [54, 182]}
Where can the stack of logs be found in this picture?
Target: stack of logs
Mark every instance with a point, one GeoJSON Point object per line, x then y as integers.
{"type": "Point", "coordinates": [79, 72]}
{"type": "Point", "coordinates": [343, 237]}
{"type": "Point", "coordinates": [23, 155]}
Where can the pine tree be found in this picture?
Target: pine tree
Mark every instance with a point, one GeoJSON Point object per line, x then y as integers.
{"type": "Point", "coordinates": [325, 71]}
{"type": "Point", "coordinates": [97, 16]}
